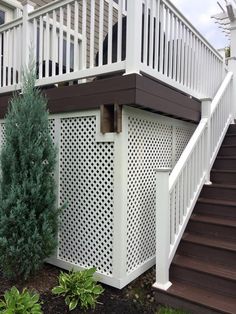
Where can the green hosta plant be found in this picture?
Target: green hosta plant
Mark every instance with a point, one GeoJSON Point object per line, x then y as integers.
{"type": "Point", "coordinates": [79, 289]}
{"type": "Point", "coordinates": [15, 302]}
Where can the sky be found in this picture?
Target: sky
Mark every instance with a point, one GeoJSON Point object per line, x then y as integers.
{"type": "Point", "coordinates": [199, 13]}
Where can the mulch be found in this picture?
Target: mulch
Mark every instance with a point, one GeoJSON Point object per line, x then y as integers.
{"type": "Point", "coordinates": [136, 298]}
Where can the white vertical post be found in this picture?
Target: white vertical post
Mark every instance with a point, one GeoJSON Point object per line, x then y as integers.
{"type": "Point", "coordinates": [121, 204]}
{"type": "Point", "coordinates": [232, 64]}
{"type": "Point", "coordinates": [28, 7]}
{"type": "Point", "coordinates": [206, 113]}
{"type": "Point", "coordinates": [162, 229]}
{"type": "Point", "coordinates": [134, 36]}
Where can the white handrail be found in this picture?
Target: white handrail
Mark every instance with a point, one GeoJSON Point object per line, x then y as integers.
{"type": "Point", "coordinates": [11, 24]}
{"type": "Point", "coordinates": [175, 202]}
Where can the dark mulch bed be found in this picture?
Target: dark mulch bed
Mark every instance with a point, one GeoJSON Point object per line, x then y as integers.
{"type": "Point", "coordinates": [136, 298]}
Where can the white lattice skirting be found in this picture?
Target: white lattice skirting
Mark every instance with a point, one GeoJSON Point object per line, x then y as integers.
{"type": "Point", "coordinates": [108, 183]}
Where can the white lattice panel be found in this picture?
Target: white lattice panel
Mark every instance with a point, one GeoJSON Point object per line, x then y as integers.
{"type": "Point", "coordinates": [149, 147]}
{"type": "Point", "coordinates": [151, 144]}
{"type": "Point", "coordinates": [51, 124]}
{"type": "Point", "coordinates": [182, 135]}
{"type": "Point", "coordinates": [86, 184]}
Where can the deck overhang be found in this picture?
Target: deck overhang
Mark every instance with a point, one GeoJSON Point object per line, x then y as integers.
{"type": "Point", "coordinates": [132, 90]}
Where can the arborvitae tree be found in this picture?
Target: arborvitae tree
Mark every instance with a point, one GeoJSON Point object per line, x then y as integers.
{"type": "Point", "coordinates": [28, 212]}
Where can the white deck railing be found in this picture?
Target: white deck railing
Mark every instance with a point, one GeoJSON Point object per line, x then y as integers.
{"type": "Point", "coordinates": [178, 192]}
{"type": "Point", "coordinates": [72, 40]}
{"type": "Point", "coordinates": [176, 53]}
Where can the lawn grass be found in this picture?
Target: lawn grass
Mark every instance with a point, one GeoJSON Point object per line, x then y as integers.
{"type": "Point", "coordinates": [164, 310]}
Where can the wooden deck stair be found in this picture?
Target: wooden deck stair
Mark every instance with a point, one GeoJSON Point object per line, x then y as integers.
{"type": "Point", "coordinates": [203, 272]}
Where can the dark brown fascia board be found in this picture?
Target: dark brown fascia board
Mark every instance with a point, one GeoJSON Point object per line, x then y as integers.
{"type": "Point", "coordinates": [161, 98]}
{"type": "Point", "coordinates": [134, 90]}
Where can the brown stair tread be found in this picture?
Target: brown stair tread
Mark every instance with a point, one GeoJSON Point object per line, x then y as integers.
{"type": "Point", "coordinates": [226, 157]}
{"type": "Point", "coordinates": [221, 185]}
{"type": "Point", "coordinates": [228, 145]}
{"type": "Point", "coordinates": [224, 170]}
{"type": "Point", "coordinates": [229, 222]}
{"type": "Point", "coordinates": [230, 134]}
{"type": "Point", "coordinates": [204, 267]}
{"type": "Point", "coordinates": [210, 242]}
{"type": "Point", "coordinates": [209, 299]}
{"type": "Point", "coordinates": [216, 202]}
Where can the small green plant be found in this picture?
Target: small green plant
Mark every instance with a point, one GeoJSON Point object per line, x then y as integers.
{"type": "Point", "coordinates": [79, 289]}
{"type": "Point", "coordinates": [15, 302]}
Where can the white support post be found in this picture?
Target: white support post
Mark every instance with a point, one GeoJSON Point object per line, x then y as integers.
{"type": "Point", "coordinates": [232, 64]}
{"type": "Point", "coordinates": [28, 7]}
{"type": "Point", "coordinates": [206, 113]}
{"type": "Point", "coordinates": [134, 36]}
{"type": "Point", "coordinates": [162, 229]}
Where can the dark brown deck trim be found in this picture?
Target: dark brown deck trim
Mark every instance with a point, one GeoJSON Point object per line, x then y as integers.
{"type": "Point", "coordinates": [133, 90]}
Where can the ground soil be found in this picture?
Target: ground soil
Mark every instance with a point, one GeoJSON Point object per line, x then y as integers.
{"type": "Point", "coordinates": [136, 298]}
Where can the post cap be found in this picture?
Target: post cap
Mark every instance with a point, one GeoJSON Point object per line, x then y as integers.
{"type": "Point", "coordinates": [31, 3]}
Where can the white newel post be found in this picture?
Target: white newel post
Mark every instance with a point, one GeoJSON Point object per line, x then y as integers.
{"type": "Point", "coordinates": [28, 7]}
{"type": "Point", "coordinates": [206, 113]}
{"type": "Point", "coordinates": [162, 229]}
{"type": "Point", "coordinates": [232, 63]}
{"type": "Point", "coordinates": [134, 36]}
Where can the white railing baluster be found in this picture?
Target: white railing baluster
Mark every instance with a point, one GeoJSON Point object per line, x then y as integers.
{"type": "Point", "coordinates": [166, 48]}
{"type": "Point", "coordinates": [157, 38]}
{"type": "Point", "coordinates": [178, 78]}
{"type": "Point", "coordinates": [101, 25]}
{"type": "Point", "coordinates": [110, 33]}
{"type": "Point", "coordinates": [61, 35]}
{"type": "Point", "coordinates": [84, 36]}
{"type": "Point", "coordinates": [145, 31]}
{"type": "Point", "coordinates": [47, 46]}
{"type": "Point", "coordinates": [41, 40]}
{"type": "Point", "coordinates": [175, 43]}
{"type": "Point", "coordinates": [92, 33]}
{"type": "Point", "coordinates": [161, 57]}
{"type": "Point", "coordinates": [68, 37]}
{"type": "Point", "coordinates": [151, 46]}
{"type": "Point", "coordinates": [54, 43]}
{"type": "Point", "coordinates": [171, 48]}
{"type": "Point", "coordinates": [5, 54]}
{"type": "Point", "coordinates": [14, 62]}
{"type": "Point", "coordinates": [120, 28]}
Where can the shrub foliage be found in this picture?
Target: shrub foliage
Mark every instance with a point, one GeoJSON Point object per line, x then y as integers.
{"type": "Point", "coordinates": [28, 216]}
{"type": "Point", "coordinates": [79, 289]}
{"type": "Point", "coordinates": [15, 302]}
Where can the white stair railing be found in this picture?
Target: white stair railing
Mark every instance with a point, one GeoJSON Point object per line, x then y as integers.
{"type": "Point", "coordinates": [177, 193]}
